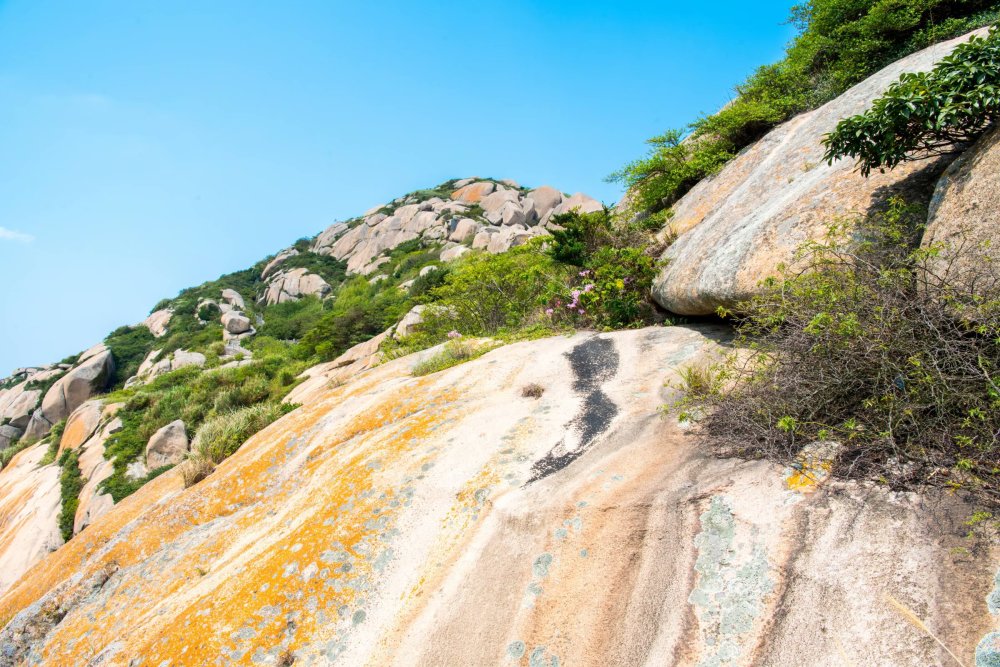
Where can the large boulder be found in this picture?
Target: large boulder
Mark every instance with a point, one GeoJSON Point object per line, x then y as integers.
{"type": "Point", "coordinates": [157, 322]}
{"type": "Point", "coordinates": [473, 192]}
{"type": "Point", "coordinates": [734, 229]}
{"type": "Point", "coordinates": [168, 446]}
{"type": "Point", "coordinates": [390, 514]}
{"type": "Point", "coordinates": [543, 200]}
{"type": "Point", "coordinates": [234, 298]}
{"type": "Point", "coordinates": [235, 322]}
{"type": "Point", "coordinates": [89, 377]}
{"type": "Point", "coordinates": [8, 434]}
{"type": "Point", "coordinates": [410, 322]}
{"type": "Point", "coordinates": [81, 424]}
{"type": "Point", "coordinates": [964, 214]}
{"type": "Point", "coordinates": [293, 285]}
{"type": "Point", "coordinates": [272, 267]}
{"type": "Point", "coordinates": [17, 404]}
{"type": "Point", "coordinates": [155, 365]}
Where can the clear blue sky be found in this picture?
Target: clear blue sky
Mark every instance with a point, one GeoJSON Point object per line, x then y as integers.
{"type": "Point", "coordinates": [150, 146]}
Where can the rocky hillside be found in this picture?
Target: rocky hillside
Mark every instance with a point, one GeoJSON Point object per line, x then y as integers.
{"type": "Point", "coordinates": [373, 448]}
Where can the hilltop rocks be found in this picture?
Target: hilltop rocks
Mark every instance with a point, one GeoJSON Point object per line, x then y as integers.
{"type": "Point", "coordinates": [964, 214]}
{"type": "Point", "coordinates": [475, 214]}
{"type": "Point", "coordinates": [473, 192]}
{"type": "Point", "coordinates": [157, 322]}
{"type": "Point", "coordinates": [736, 227]}
{"type": "Point", "coordinates": [90, 376]}
{"type": "Point", "coordinates": [234, 299]}
{"type": "Point", "coordinates": [391, 514]}
{"type": "Point", "coordinates": [293, 285]}
{"type": "Point", "coordinates": [168, 446]}
{"type": "Point", "coordinates": [276, 263]}
{"type": "Point", "coordinates": [235, 322]}
{"type": "Point", "coordinates": [17, 404]}
{"type": "Point", "coordinates": [153, 366]}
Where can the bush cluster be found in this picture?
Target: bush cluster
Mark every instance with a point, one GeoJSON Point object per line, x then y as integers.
{"type": "Point", "coordinates": [884, 347]}
{"type": "Point", "coordinates": [926, 113]}
{"type": "Point", "coordinates": [839, 43]}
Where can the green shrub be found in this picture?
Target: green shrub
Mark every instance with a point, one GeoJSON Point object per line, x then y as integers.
{"type": "Point", "coordinates": [70, 485]}
{"type": "Point", "coordinates": [292, 319]}
{"type": "Point", "coordinates": [55, 439]}
{"type": "Point", "coordinates": [209, 312]}
{"type": "Point", "coordinates": [926, 113]}
{"type": "Point", "coordinates": [865, 342]}
{"type": "Point", "coordinates": [129, 346]}
{"type": "Point", "coordinates": [839, 43]}
{"type": "Point", "coordinates": [13, 449]}
{"type": "Point", "coordinates": [484, 294]}
{"type": "Point", "coordinates": [219, 437]}
{"type": "Point", "coordinates": [454, 352]}
{"type": "Point", "coordinates": [333, 271]}
{"type": "Point", "coordinates": [614, 288]}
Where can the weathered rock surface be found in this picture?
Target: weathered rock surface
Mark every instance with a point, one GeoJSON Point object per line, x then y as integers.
{"type": "Point", "coordinates": [293, 285]}
{"type": "Point", "coordinates": [154, 365]}
{"type": "Point", "coordinates": [94, 469]}
{"type": "Point", "coordinates": [964, 215]}
{"type": "Point", "coordinates": [235, 322]}
{"type": "Point", "coordinates": [735, 228]}
{"type": "Point", "coordinates": [29, 510]}
{"type": "Point", "coordinates": [158, 321]}
{"type": "Point", "coordinates": [410, 322]}
{"type": "Point", "coordinates": [276, 263]}
{"type": "Point", "coordinates": [89, 377]}
{"type": "Point", "coordinates": [17, 403]}
{"type": "Point", "coordinates": [8, 434]}
{"type": "Point", "coordinates": [81, 424]}
{"type": "Point", "coordinates": [447, 520]}
{"type": "Point", "coordinates": [167, 446]}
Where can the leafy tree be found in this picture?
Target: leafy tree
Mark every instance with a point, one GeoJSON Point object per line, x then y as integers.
{"type": "Point", "coordinates": [926, 113]}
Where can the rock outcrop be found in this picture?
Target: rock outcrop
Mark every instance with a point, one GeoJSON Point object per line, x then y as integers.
{"type": "Point", "coordinates": [81, 424]}
{"type": "Point", "coordinates": [490, 215]}
{"type": "Point", "coordinates": [735, 228]}
{"type": "Point", "coordinates": [29, 511]}
{"type": "Point", "coordinates": [294, 284]}
{"type": "Point", "coordinates": [156, 364]}
{"type": "Point", "coordinates": [390, 514]}
{"type": "Point", "coordinates": [88, 377]}
{"type": "Point", "coordinates": [168, 446]}
{"type": "Point", "coordinates": [964, 215]}
{"type": "Point", "coordinates": [158, 321]}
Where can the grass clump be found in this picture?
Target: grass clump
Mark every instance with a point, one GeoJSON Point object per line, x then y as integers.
{"type": "Point", "coordinates": [870, 343]}
{"type": "Point", "coordinates": [70, 485]}
{"type": "Point", "coordinates": [532, 390]}
{"type": "Point", "coordinates": [453, 353]}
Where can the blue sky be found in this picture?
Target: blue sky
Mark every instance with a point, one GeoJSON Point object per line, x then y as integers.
{"type": "Point", "coordinates": [150, 146]}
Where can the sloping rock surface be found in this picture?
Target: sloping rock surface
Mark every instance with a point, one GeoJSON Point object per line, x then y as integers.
{"type": "Point", "coordinates": [964, 214]}
{"type": "Point", "coordinates": [448, 520]}
{"type": "Point", "coordinates": [735, 228]}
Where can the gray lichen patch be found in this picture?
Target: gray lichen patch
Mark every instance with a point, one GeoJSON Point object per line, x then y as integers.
{"type": "Point", "coordinates": [993, 599]}
{"type": "Point", "coordinates": [988, 651]}
{"type": "Point", "coordinates": [732, 585]}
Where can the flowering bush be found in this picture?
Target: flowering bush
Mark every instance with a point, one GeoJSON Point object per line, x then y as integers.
{"type": "Point", "coordinates": [617, 267]}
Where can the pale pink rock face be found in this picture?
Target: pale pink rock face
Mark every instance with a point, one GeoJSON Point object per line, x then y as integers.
{"type": "Point", "coordinates": [735, 228]}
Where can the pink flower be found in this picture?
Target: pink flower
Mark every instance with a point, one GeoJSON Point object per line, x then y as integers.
{"type": "Point", "coordinates": [575, 294]}
{"type": "Point", "coordinates": [584, 273]}
{"type": "Point", "coordinates": [581, 311]}
{"type": "Point", "coordinates": [588, 287]}
{"type": "Point", "coordinates": [548, 311]}
{"type": "Point", "coordinates": [454, 334]}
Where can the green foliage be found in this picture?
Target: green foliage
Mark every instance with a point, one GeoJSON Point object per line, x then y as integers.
{"type": "Point", "coordinates": [220, 436]}
{"type": "Point", "coordinates": [55, 439]}
{"type": "Point", "coordinates": [43, 386]}
{"type": "Point", "coordinates": [926, 113]}
{"type": "Point", "coordinates": [614, 288]}
{"type": "Point", "coordinates": [867, 341]}
{"type": "Point", "coordinates": [452, 353]}
{"type": "Point", "coordinates": [484, 294]}
{"type": "Point", "coordinates": [292, 319]}
{"type": "Point", "coordinates": [70, 485]}
{"type": "Point", "coordinates": [209, 312]}
{"type": "Point", "coordinates": [194, 396]}
{"type": "Point", "coordinates": [840, 43]}
{"type": "Point", "coordinates": [160, 305]}
{"type": "Point", "coordinates": [359, 312]}
{"type": "Point", "coordinates": [16, 447]}
{"type": "Point", "coordinates": [129, 346]}
{"type": "Point", "coordinates": [333, 271]}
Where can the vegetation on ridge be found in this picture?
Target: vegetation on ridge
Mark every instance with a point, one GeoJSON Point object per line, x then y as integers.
{"type": "Point", "coordinates": [839, 43]}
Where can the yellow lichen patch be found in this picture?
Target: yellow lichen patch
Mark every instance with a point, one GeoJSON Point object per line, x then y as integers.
{"type": "Point", "coordinates": [276, 550]}
{"type": "Point", "coordinates": [811, 468]}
